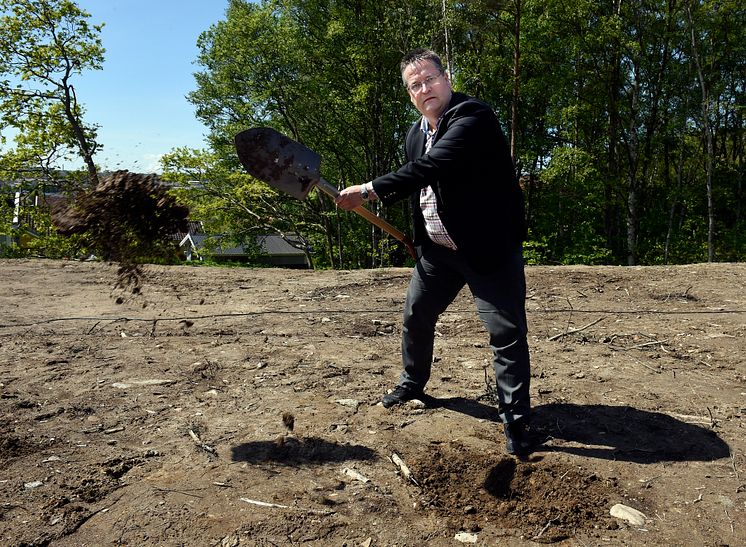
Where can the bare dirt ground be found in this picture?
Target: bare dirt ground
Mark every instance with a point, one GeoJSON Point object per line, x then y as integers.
{"type": "Point", "coordinates": [157, 419]}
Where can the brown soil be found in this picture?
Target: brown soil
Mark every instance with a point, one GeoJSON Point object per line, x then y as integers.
{"type": "Point", "coordinates": [239, 407]}
{"type": "Point", "coordinates": [125, 217]}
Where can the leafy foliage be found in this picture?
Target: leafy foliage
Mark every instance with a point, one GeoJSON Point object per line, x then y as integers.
{"type": "Point", "coordinates": [626, 120]}
{"type": "Point", "coordinates": [44, 44]}
{"type": "Point", "coordinates": [326, 74]}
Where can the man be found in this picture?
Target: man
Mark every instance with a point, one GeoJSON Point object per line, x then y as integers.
{"type": "Point", "coordinates": [468, 229]}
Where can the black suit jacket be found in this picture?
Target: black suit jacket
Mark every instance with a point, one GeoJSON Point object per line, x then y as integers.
{"type": "Point", "coordinates": [471, 172]}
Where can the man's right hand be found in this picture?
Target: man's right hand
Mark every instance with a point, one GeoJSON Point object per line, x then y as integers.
{"type": "Point", "coordinates": [349, 198]}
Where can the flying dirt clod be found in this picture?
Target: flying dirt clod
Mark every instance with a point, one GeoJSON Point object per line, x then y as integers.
{"type": "Point", "coordinates": [128, 218]}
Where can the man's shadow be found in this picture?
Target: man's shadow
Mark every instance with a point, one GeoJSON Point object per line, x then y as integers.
{"type": "Point", "coordinates": [619, 433]}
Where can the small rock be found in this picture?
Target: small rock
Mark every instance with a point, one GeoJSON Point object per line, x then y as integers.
{"type": "Point", "coordinates": [416, 404]}
{"type": "Point", "coordinates": [356, 475]}
{"type": "Point", "coordinates": [466, 537]}
{"type": "Point", "coordinates": [232, 540]}
{"type": "Point", "coordinates": [725, 500]}
{"type": "Point", "coordinates": [32, 485]}
{"type": "Point", "coordinates": [628, 514]}
{"type": "Point", "coordinates": [352, 403]}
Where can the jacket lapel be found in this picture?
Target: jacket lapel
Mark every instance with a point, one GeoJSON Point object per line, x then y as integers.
{"type": "Point", "coordinates": [416, 145]}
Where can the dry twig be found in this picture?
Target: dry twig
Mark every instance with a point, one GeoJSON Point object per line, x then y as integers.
{"type": "Point", "coordinates": [172, 491]}
{"type": "Point", "coordinates": [546, 527]}
{"type": "Point", "coordinates": [573, 331]}
{"type": "Point", "coordinates": [406, 473]}
{"type": "Point", "coordinates": [279, 506]}
{"type": "Point", "coordinates": [204, 446]}
{"type": "Point", "coordinates": [733, 464]}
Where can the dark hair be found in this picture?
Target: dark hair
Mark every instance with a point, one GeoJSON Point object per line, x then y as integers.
{"type": "Point", "coordinates": [419, 55]}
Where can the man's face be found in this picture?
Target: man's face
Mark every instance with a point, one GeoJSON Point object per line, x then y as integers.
{"type": "Point", "coordinates": [429, 89]}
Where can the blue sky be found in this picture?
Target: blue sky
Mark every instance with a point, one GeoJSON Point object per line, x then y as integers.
{"type": "Point", "coordinates": [139, 98]}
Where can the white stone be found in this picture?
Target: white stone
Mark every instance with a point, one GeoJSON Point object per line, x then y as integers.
{"type": "Point", "coordinates": [466, 537]}
{"type": "Point", "coordinates": [633, 516]}
{"type": "Point", "coordinates": [355, 475]}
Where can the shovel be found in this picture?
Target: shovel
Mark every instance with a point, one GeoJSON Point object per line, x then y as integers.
{"type": "Point", "coordinates": [294, 169]}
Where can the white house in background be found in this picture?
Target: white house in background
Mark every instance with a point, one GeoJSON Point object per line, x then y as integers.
{"type": "Point", "coordinates": [275, 251]}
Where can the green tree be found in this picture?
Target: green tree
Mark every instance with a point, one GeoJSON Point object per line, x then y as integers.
{"type": "Point", "coordinates": [618, 82]}
{"type": "Point", "coordinates": [625, 119]}
{"type": "Point", "coordinates": [326, 74]}
{"type": "Point", "coordinates": [44, 45]}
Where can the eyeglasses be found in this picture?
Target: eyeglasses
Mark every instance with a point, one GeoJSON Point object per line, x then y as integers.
{"type": "Point", "coordinates": [416, 87]}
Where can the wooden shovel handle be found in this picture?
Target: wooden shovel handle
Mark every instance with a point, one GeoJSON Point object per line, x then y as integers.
{"type": "Point", "coordinates": [371, 217]}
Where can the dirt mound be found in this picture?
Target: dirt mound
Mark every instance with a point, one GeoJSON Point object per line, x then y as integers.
{"type": "Point", "coordinates": [546, 502]}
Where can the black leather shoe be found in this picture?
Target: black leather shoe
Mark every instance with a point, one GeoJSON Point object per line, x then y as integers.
{"type": "Point", "coordinates": [400, 395]}
{"type": "Point", "coordinates": [516, 439]}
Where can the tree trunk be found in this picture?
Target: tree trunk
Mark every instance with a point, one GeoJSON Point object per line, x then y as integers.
{"type": "Point", "coordinates": [632, 172]}
{"type": "Point", "coordinates": [516, 82]}
{"type": "Point", "coordinates": [675, 200]}
{"type": "Point", "coordinates": [86, 150]}
{"type": "Point", "coordinates": [612, 162]}
{"type": "Point", "coordinates": [708, 140]}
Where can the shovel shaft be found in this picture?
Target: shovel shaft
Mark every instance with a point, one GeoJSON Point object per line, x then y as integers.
{"type": "Point", "coordinates": [371, 217]}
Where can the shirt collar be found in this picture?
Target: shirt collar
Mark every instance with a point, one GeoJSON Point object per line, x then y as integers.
{"type": "Point", "coordinates": [425, 125]}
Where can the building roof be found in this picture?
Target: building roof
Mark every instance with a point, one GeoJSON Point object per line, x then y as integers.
{"type": "Point", "coordinates": [269, 244]}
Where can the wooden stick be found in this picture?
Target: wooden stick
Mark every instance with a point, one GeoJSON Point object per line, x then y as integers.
{"type": "Point", "coordinates": [638, 346]}
{"type": "Point", "coordinates": [733, 463]}
{"type": "Point", "coordinates": [278, 506]}
{"type": "Point", "coordinates": [537, 536]}
{"type": "Point", "coordinates": [573, 331]}
{"type": "Point", "coordinates": [204, 446]}
{"type": "Point", "coordinates": [403, 468]}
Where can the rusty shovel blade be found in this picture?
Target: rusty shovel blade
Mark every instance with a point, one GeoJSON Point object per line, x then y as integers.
{"type": "Point", "coordinates": [278, 161]}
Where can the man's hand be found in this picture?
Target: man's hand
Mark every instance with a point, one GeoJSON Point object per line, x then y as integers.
{"type": "Point", "coordinates": [349, 198]}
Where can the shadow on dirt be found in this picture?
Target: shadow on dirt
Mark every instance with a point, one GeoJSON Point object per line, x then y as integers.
{"type": "Point", "coordinates": [462, 405]}
{"type": "Point", "coordinates": [609, 432]}
{"type": "Point", "coordinates": [624, 433]}
{"type": "Point", "coordinates": [293, 451]}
